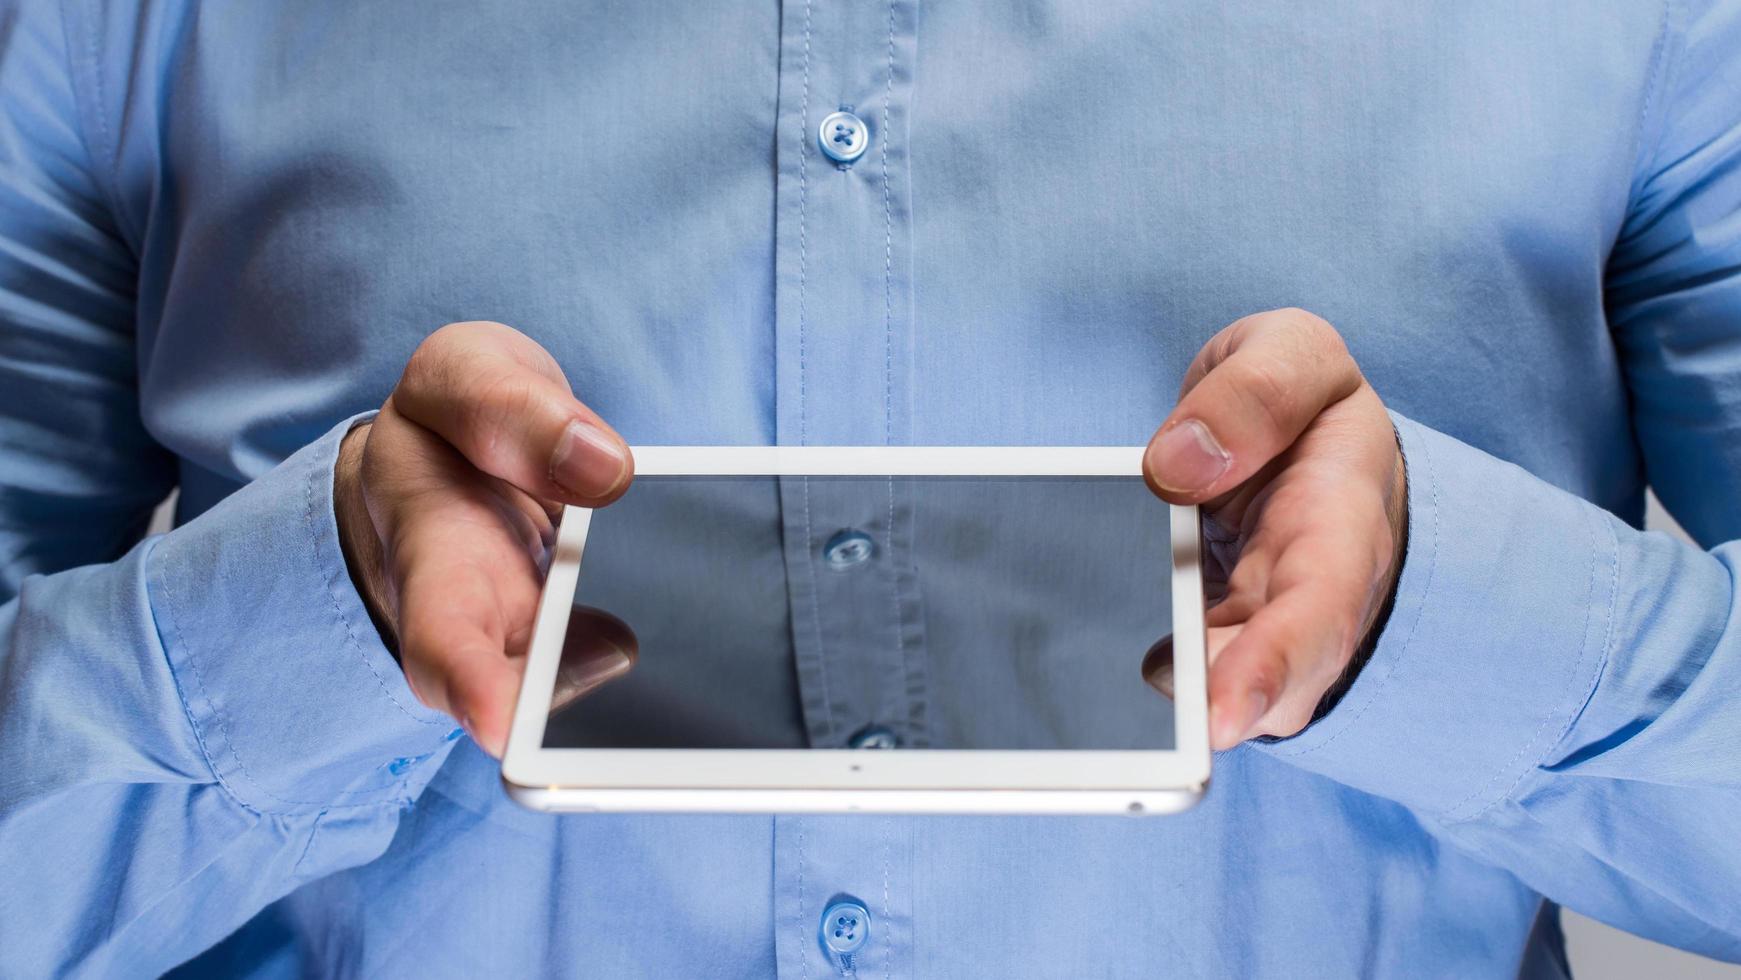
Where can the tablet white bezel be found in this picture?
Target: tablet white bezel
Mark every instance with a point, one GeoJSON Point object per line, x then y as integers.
{"type": "Point", "coordinates": [928, 780]}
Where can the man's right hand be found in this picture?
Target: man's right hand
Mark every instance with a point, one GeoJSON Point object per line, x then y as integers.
{"type": "Point", "coordinates": [447, 503]}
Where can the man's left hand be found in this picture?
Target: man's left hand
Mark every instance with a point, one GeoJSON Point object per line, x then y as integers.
{"type": "Point", "coordinates": [1295, 463]}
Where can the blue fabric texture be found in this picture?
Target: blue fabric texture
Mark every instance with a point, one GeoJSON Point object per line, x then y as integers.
{"type": "Point", "coordinates": [224, 228]}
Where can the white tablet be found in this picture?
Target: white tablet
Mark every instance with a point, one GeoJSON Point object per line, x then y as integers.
{"type": "Point", "coordinates": [890, 629]}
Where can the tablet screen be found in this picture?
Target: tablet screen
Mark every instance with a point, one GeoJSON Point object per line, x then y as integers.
{"type": "Point", "coordinates": [907, 612]}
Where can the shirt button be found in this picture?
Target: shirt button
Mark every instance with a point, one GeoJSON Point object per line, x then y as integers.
{"type": "Point", "coordinates": [844, 137]}
{"type": "Point", "coordinates": [873, 737]}
{"type": "Point", "coordinates": [845, 927]}
{"type": "Point", "coordinates": [848, 548]}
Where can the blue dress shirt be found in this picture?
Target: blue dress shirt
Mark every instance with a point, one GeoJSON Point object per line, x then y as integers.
{"type": "Point", "coordinates": [225, 226]}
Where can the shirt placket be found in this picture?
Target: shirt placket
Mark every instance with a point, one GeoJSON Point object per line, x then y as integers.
{"type": "Point", "coordinates": [843, 343]}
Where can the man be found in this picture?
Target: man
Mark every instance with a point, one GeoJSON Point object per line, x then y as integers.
{"type": "Point", "coordinates": [230, 229]}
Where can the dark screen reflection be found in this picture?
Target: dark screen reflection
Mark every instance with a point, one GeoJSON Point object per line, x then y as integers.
{"type": "Point", "coordinates": [763, 612]}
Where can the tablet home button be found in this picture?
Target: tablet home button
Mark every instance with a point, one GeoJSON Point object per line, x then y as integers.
{"type": "Point", "coordinates": [873, 737]}
{"type": "Point", "coordinates": [845, 927]}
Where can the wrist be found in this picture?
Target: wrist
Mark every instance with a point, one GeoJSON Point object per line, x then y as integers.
{"type": "Point", "coordinates": [358, 539]}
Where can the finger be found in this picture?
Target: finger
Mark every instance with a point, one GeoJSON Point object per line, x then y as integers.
{"type": "Point", "coordinates": [597, 649]}
{"type": "Point", "coordinates": [1158, 666]}
{"type": "Point", "coordinates": [1245, 588]}
{"type": "Point", "coordinates": [463, 552]}
{"type": "Point", "coordinates": [410, 466]}
{"type": "Point", "coordinates": [453, 648]}
{"type": "Point", "coordinates": [413, 479]}
{"type": "Point", "coordinates": [484, 389]}
{"type": "Point", "coordinates": [1252, 391]}
{"type": "Point", "coordinates": [1158, 662]}
{"type": "Point", "coordinates": [527, 518]}
{"type": "Point", "coordinates": [1268, 674]}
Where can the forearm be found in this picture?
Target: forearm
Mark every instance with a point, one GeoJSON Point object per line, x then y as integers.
{"type": "Point", "coordinates": [175, 725]}
{"type": "Point", "coordinates": [1555, 690]}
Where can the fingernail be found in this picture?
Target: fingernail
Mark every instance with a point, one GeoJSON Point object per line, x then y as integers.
{"type": "Point", "coordinates": [1186, 458]}
{"type": "Point", "coordinates": [588, 463]}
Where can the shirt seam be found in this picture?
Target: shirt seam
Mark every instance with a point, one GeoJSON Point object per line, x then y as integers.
{"type": "Point", "coordinates": [1651, 126]}
{"type": "Point", "coordinates": [798, 901]}
{"type": "Point", "coordinates": [888, 916]}
{"type": "Point", "coordinates": [187, 709]}
{"type": "Point", "coordinates": [889, 372]}
{"type": "Point", "coordinates": [378, 797]}
{"type": "Point", "coordinates": [225, 782]}
{"type": "Point", "coordinates": [1609, 638]}
{"type": "Point", "coordinates": [1547, 717]}
{"type": "Point", "coordinates": [88, 107]}
{"type": "Point", "coordinates": [1604, 651]}
{"type": "Point", "coordinates": [329, 579]}
{"type": "Point", "coordinates": [888, 259]}
{"type": "Point", "coordinates": [821, 659]}
{"type": "Point", "coordinates": [803, 239]}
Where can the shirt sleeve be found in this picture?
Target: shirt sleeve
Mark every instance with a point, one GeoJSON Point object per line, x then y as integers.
{"type": "Point", "coordinates": [81, 474]}
{"type": "Point", "coordinates": [1556, 690]}
{"type": "Point", "coordinates": [191, 732]}
{"type": "Point", "coordinates": [192, 726]}
{"type": "Point", "coordinates": [1674, 278]}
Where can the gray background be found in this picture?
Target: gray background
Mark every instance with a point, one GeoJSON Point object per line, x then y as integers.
{"type": "Point", "coordinates": [1598, 952]}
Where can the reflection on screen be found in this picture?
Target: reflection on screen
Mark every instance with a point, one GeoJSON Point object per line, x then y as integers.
{"type": "Point", "coordinates": [869, 612]}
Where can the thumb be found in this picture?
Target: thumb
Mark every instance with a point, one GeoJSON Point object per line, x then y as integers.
{"type": "Point", "coordinates": [1248, 395]}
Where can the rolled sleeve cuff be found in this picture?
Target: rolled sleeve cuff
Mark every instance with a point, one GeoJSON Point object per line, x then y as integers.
{"type": "Point", "coordinates": [296, 702]}
{"type": "Point", "coordinates": [1497, 637]}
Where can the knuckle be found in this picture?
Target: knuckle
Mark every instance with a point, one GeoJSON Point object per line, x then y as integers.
{"type": "Point", "coordinates": [1241, 331]}
{"type": "Point", "coordinates": [436, 362]}
{"type": "Point", "coordinates": [1222, 345]}
{"type": "Point", "coordinates": [545, 363]}
{"type": "Point", "coordinates": [1290, 323]}
{"type": "Point", "coordinates": [1311, 333]}
{"type": "Point", "coordinates": [1250, 571]}
{"type": "Point", "coordinates": [1303, 322]}
{"type": "Point", "coordinates": [464, 331]}
{"type": "Point", "coordinates": [1270, 673]}
{"type": "Point", "coordinates": [1268, 385]}
{"type": "Point", "coordinates": [425, 367]}
{"type": "Point", "coordinates": [487, 409]}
